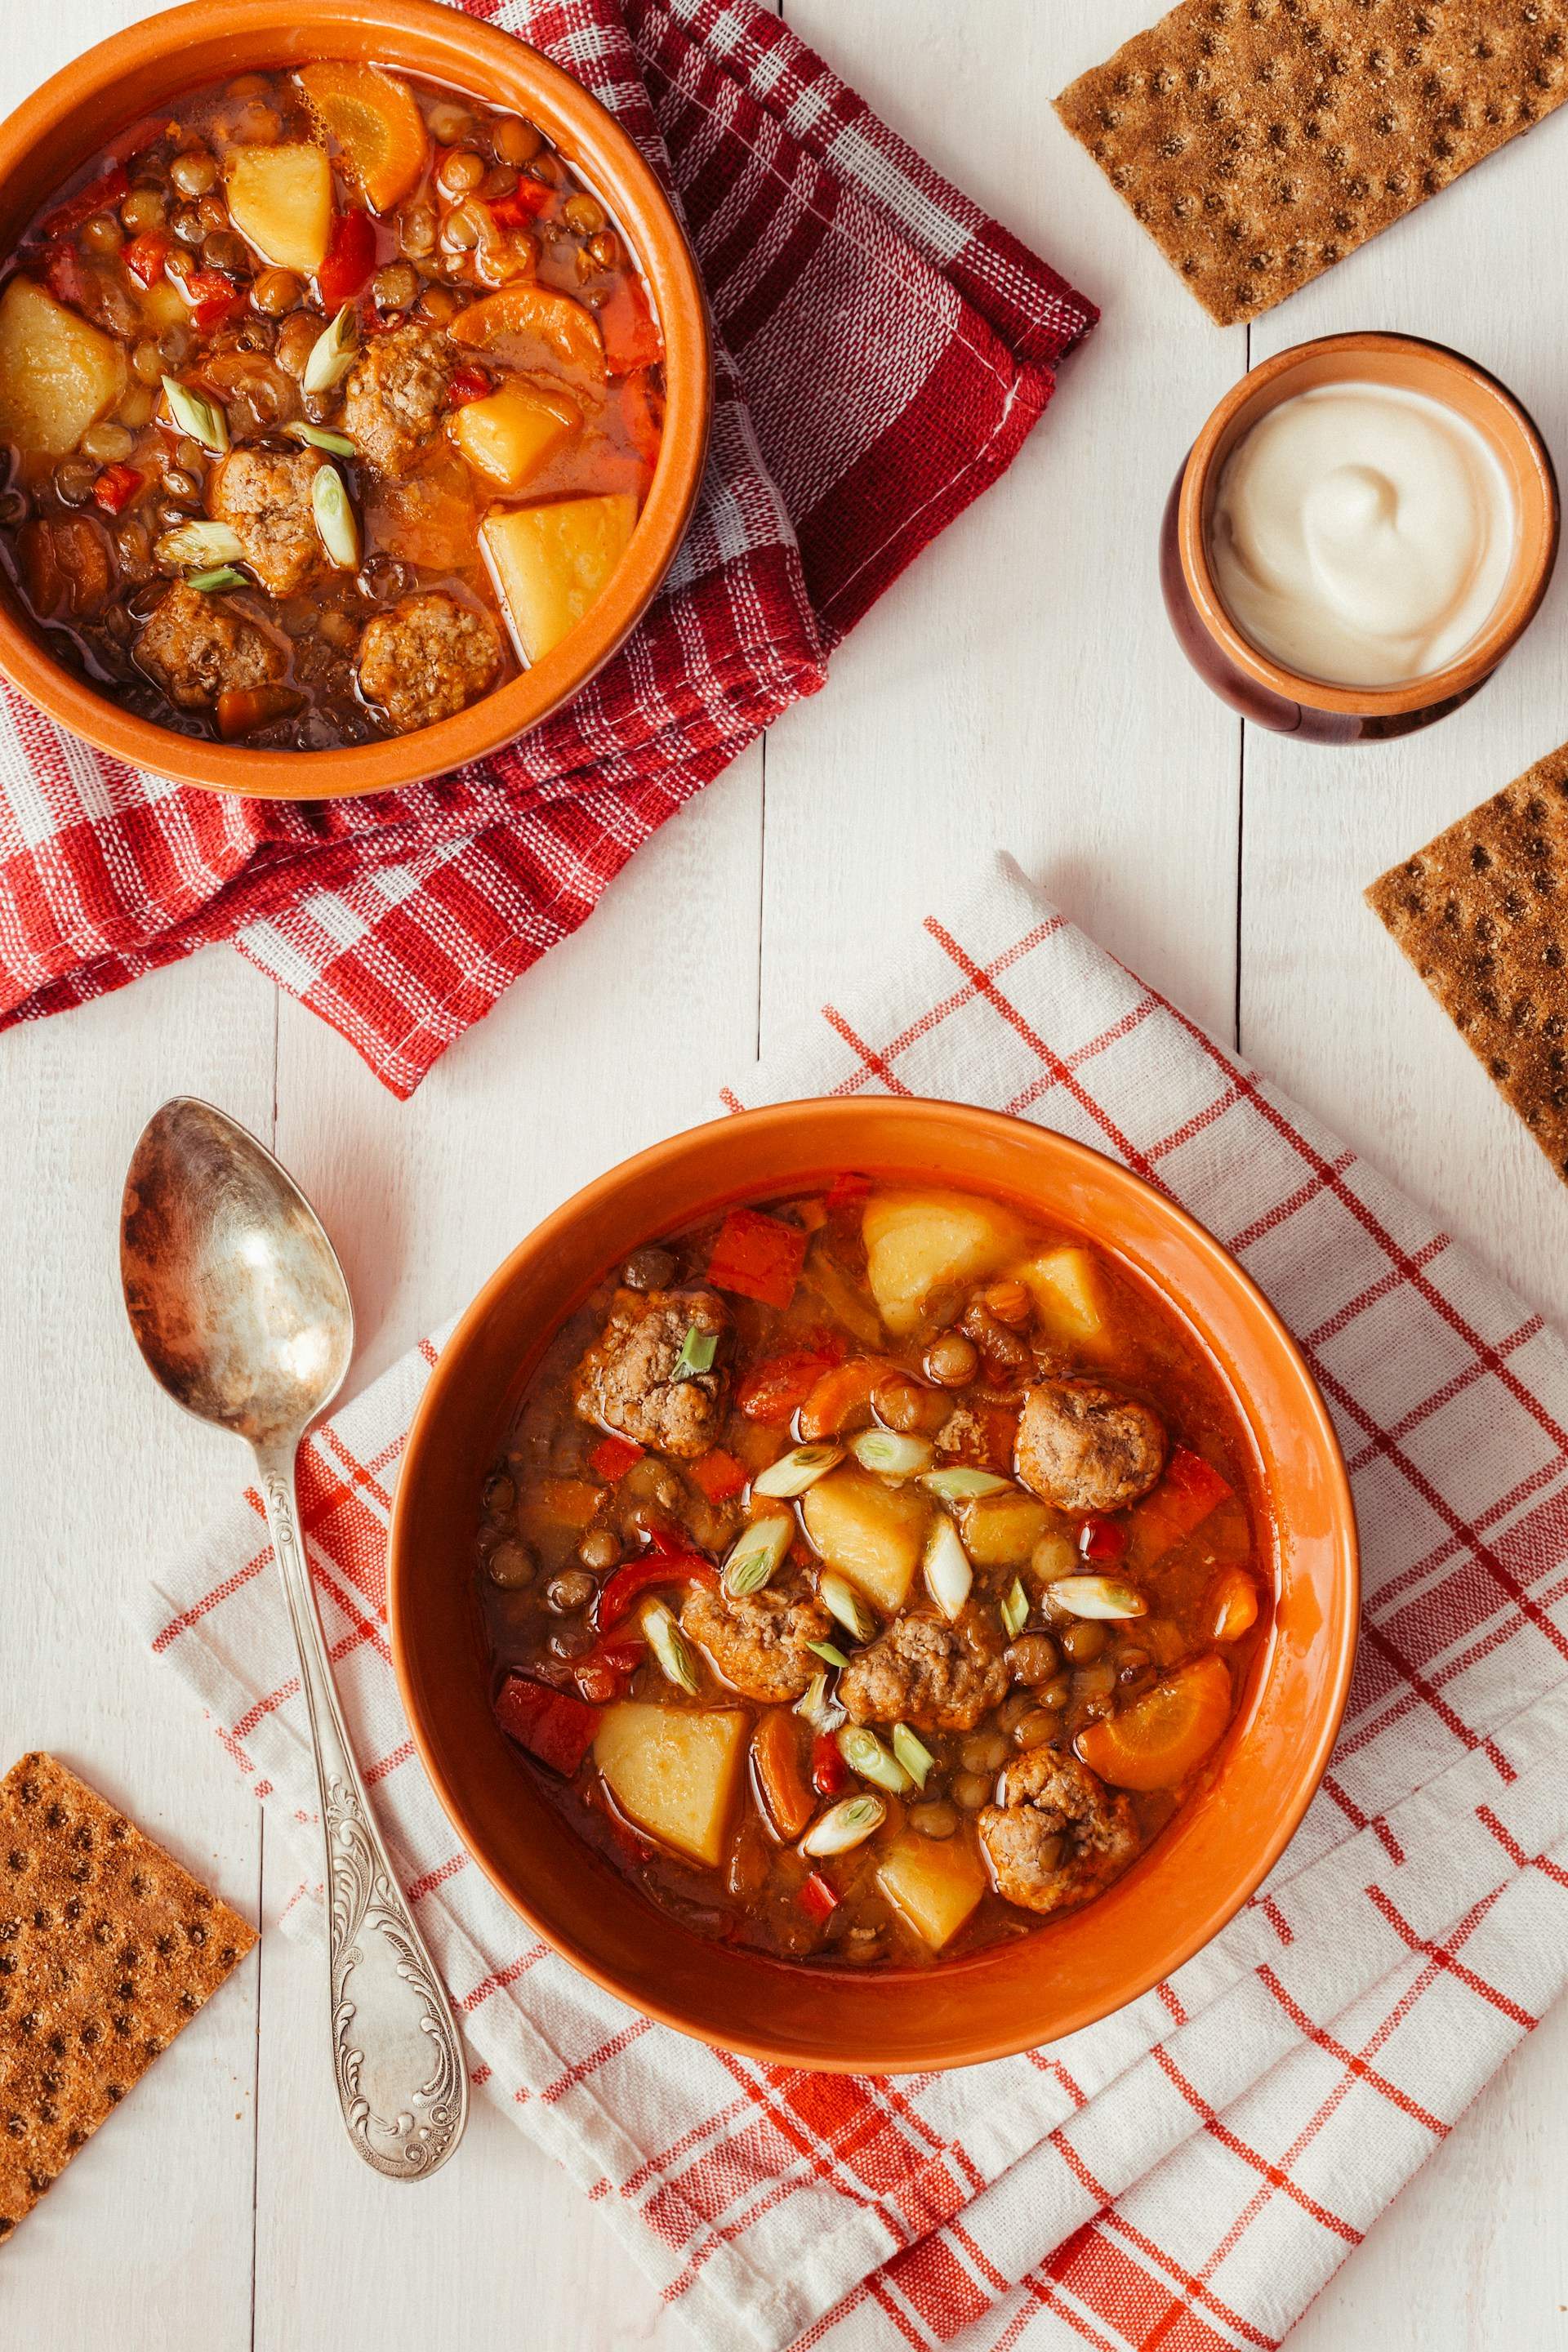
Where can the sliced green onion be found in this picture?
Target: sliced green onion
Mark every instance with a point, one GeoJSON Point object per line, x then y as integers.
{"type": "Point", "coordinates": [1015, 1610]}
{"type": "Point", "coordinates": [890, 1455]}
{"type": "Point", "coordinates": [668, 1645]}
{"type": "Point", "coordinates": [847, 1823]}
{"type": "Point", "coordinates": [222, 575]}
{"type": "Point", "coordinates": [333, 511]}
{"type": "Point", "coordinates": [864, 1753]}
{"type": "Point", "coordinates": [194, 414]}
{"type": "Point", "coordinates": [200, 543]}
{"type": "Point", "coordinates": [793, 1472]}
{"type": "Point", "coordinates": [948, 1573]}
{"type": "Point", "coordinates": [829, 1652]}
{"type": "Point", "coordinates": [756, 1554]}
{"type": "Point", "coordinates": [840, 1598]}
{"type": "Point", "coordinates": [1098, 1596]}
{"type": "Point", "coordinates": [698, 1350]}
{"type": "Point", "coordinates": [912, 1754]}
{"type": "Point", "coordinates": [320, 437]}
{"type": "Point", "coordinates": [958, 1484]}
{"type": "Point", "coordinates": [822, 1714]}
{"type": "Point", "coordinates": [332, 353]}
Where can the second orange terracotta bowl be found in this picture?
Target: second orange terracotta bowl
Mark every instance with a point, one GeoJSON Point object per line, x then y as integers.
{"type": "Point", "coordinates": [74, 115]}
{"type": "Point", "coordinates": [1010, 1997]}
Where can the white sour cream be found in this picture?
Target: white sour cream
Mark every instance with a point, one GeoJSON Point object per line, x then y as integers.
{"type": "Point", "coordinates": [1362, 534]}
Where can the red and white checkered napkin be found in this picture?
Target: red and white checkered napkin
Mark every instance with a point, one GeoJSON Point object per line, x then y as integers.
{"type": "Point", "coordinates": [895, 347]}
{"type": "Point", "coordinates": [1190, 2171]}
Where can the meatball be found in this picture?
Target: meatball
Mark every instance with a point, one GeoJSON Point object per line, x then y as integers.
{"type": "Point", "coordinates": [426, 658]}
{"type": "Point", "coordinates": [1086, 1448]}
{"type": "Point", "coordinates": [1057, 1836]}
{"type": "Point", "coordinates": [928, 1673]}
{"type": "Point", "coordinates": [265, 497]}
{"type": "Point", "coordinates": [196, 650]}
{"type": "Point", "coordinates": [757, 1643]}
{"type": "Point", "coordinates": [624, 1381]}
{"type": "Point", "coordinates": [393, 399]}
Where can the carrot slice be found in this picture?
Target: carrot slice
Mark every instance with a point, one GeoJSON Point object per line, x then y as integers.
{"type": "Point", "coordinates": [776, 1758]}
{"type": "Point", "coordinates": [1189, 1489]}
{"type": "Point", "coordinates": [376, 123]}
{"type": "Point", "coordinates": [626, 322]}
{"type": "Point", "coordinates": [719, 1475]}
{"type": "Point", "coordinates": [840, 1394]}
{"type": "Point", "coordinates": [1156, 1741]}
{"type": "Point", "coordinates": [564, 327]}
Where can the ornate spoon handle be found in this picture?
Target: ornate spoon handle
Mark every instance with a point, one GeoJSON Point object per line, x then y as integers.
{"type": "Point", "coordinates": [402, 2082]}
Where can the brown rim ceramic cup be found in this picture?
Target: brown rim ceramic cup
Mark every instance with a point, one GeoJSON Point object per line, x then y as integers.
{"type": "Point", "coordinates": [135, 72]}
{"type": "Point", "coordinates": [1252, 681]}
{"type": "Point", "coordinates": [1012, 1995]}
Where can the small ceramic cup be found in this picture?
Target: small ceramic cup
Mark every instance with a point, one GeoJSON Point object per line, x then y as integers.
{"type": "Point", "coordinates": [1252, 681]}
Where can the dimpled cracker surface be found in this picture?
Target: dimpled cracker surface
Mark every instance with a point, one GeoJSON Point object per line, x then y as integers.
{"type": "Point", "coordinates": [1260, 141]}
{"type": "Point", "coordinates": [1482, 914]}
{"type": "Point", "coordinates": [107, 1948]}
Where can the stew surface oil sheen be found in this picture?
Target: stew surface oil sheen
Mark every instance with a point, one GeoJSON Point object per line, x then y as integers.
{"type": "Point", "coordinates": [869, 1575]}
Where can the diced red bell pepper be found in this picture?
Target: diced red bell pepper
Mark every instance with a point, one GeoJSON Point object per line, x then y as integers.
{"type": "Point", "coordinates": [631, 338]}
{"type": "Point", "coordinates": [63, 274]}
{"type": "Point", "coordinates": [618, 1592]}
{"type": "Point", "coordinates": [1189, 1489]}
{"type": "Point", "coordinates": [99, 197]}
{"type": "Point", "coordinates": [829, 1772]}
{"type": "Point", "coordinates": [213, 298]}
{"type": "Point", "coordinates": [719, 1475]}
{"type": "Point", "coordinates": [116, 487]}
{"type": "Point", "coordinates": [551, 1725]}
{"type": "Point", "coordinates": [466, 383]}
{"type": "Point", "coordinates": [774, 1390]}
{"type": "Point", "coordinates": [1101, 1539]}
{"type": "Point", "coordinates": [145, 254]}
{"type": "Point", "coordinates": [612, 1457]}
{"type": "Point", "coordinates": [758, 1256]}
{"type": "Point", "coordinates": [816, 1898]}
{"type": "Point", "coordinates": [846, 1192]}
{"type": "Point", "coordinates": [527, 201]}
{"type": "Point", "coordinates": [349, 261]}
{"type": "Point", "coordinates": [605, 1672]}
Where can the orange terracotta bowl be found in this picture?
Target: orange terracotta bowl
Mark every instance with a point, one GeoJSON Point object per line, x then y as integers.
{"type": "Point", "coordinates": [1011, 1997]}
{"type": "Point", "coordinates": [66, 122]}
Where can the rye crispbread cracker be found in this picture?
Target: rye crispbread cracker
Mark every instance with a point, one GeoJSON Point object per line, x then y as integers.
{"type": "Point", "coordinates": [107, 1948]}
{"type": "Point", "coordinates": [1260, 141]}
{"type": "Point", "coordinates": [1482, 914]}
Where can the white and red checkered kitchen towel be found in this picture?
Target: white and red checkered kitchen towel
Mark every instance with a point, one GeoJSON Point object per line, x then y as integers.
{"type": "Point", "coordinates": [1188, 2172]}
{"type": "Point", "coordinates": [883, 349]}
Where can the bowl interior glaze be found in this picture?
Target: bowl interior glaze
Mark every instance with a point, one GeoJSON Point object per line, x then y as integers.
{"type": "Point", "coordinates": [996, 2001]}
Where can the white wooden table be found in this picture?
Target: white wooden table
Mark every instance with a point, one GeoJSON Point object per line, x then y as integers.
{"type": "Point", "coordinates": [1019, 687]}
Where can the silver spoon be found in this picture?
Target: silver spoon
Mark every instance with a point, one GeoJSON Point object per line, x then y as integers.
{"type": "Point", "coordinates": [239, 1305]}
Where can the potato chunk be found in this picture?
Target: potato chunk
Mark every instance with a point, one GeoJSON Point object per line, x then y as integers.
{"type": "Point", "coordinates": [673, 1771]}
{"type": "Point", "coordinates": [508, 436]}
{"type": "Point", "coordinates": [932, 1884]}
{"type": "Point", "coordinates": [916, 1240]}
{"type": "Point", "coordinates": [870, 1533]}
{"type": "Point", "coordinates": [551, 562]}
{"type": "Point", "coordinates": [281, 201]}
{"type": "Point", "coordinates": [1002, 1530]}
{"type": "Point", "coordinates": [58, 372]}
{"type": "Point", "coordinates": [1065, 1286]}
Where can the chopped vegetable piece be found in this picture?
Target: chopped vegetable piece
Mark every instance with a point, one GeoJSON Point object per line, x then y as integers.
{"type": "Point", "coordinates": [1002, 1530]}
{"type": "Point", "coordinates": [376, 123]}
{"type": "Point", "coordinates": [1154, 1742]}
{"type": "Point", "coordinates": [669, 1645]}
{"type": "Point", "coordinates": [241, 709]}
{"type": "Point", "coordinates": [841, 1393]}
{"type": "Point", "coordinates": [1098, 1596]}
{"type": "Point", "coordinates": [333, 352]}
{"type": "Point", "coordinates": [202, 418]}
{"type": "Point", "coordinates": [1101, 1539]}
{"type": "Point", "coordinates": [775, 1760]}
{"type": "Point", "coordinates": [200, 543]}
{"type": "Point", "coordinates": [507, 436]}
{"type": "Point", "coordinates": [551, 1725]}
{"type": "Point", "coordinates": [642, 405]}
{"type": "Point", "coordinates": [757, 1257]}
{"type": "Point", "coordinates": [777, 1387]}
{"type": "Point", "coordinates": [562, 326]}
{"type": "Point", "coordinates": [757, 1554]}
{"type": "Point", "coordinates": [829, 1652]}
{"type": "Point", "coordinates": [626, 322]}
{"type": "Point", "coordinates": [320, 437]}
{"type": "Point", "coordinates": [912, 1754]}
{"type": "Point", "coordinates": [870, 1532]}
{"type": "Point", "coordinates": [1015, 1610]}
{"type": "Point", "coordinates": [917, 1240]}
{"type": "Point", "coordinates": [959, 1484]}
{"type": "Point", "coordinates": [612, 1457]}
{"type": "Point", "coordinates": [829, 1772]}
{"type": "Point", "coordinates": [1232, 1604]}
{"type": "Point", "coordinates": [846, 1824]}
{"type": "Point", "coordinates": [551, 561]}
{"type": "Point", "coordinates": [335, 519]}
{"type": "Point", "coordinates": [281, 201]}
{"type": "Point", "coordinates": [890, 1455]}
{"type": "Point", "coordinates": [212, 297]}
{"type": "Point", "coordinates": [115, 488]}
{"type": "Point", "coordinates": [464, 384]}
{"type": "Point", "coordinates": [822, 1714]}
{"type": "Point", "coordinates": [349, 259]}
{"type": "Point", "coordinates": [1065, 1288]}
{"type": "Point", "coordinates": [948, 1573]}
{"type": "Point", "coordinates": [1189, 1489]}
{"type": "Point", "coordinates": [222, 575]}
{"type": "Point", "coordinates": [793, 1472]}
{"type": "Point", "coordinates": [846, 1192]}
{"type": "Point", "coordinates": [628, 1584]}
{"type": "Point", "coordinates": [719, 1475]}
{"type": "Point", "coordinates": [933, 1888]}
{"type": "Point", "coordinates": [840, 1598]}
{"type": "Point", "coordinates": [145, 254]}
{"type": "Point", "coordinates": [864, 1753]}
{"type": "Point", "coordinates": [816, 1898]}
{"type": "Point", "coordinates": [698, 1350]}
{"type": "Point", "coordinates": [675, 1770]}
{"type": "Point", "coordinates": [604, 1673]}
{"type": "Point", "coordinates": [100, 196]}
{"type": "Point", "coordinates": [527, 201]}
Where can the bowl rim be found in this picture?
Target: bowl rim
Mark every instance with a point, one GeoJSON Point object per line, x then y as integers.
{"type": "Point", "coordinates": [482, 55]}
{"type": "Point", "coordinates": [1517, 605]}
{"type": "Point", "coordinates": [447, 1373]}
